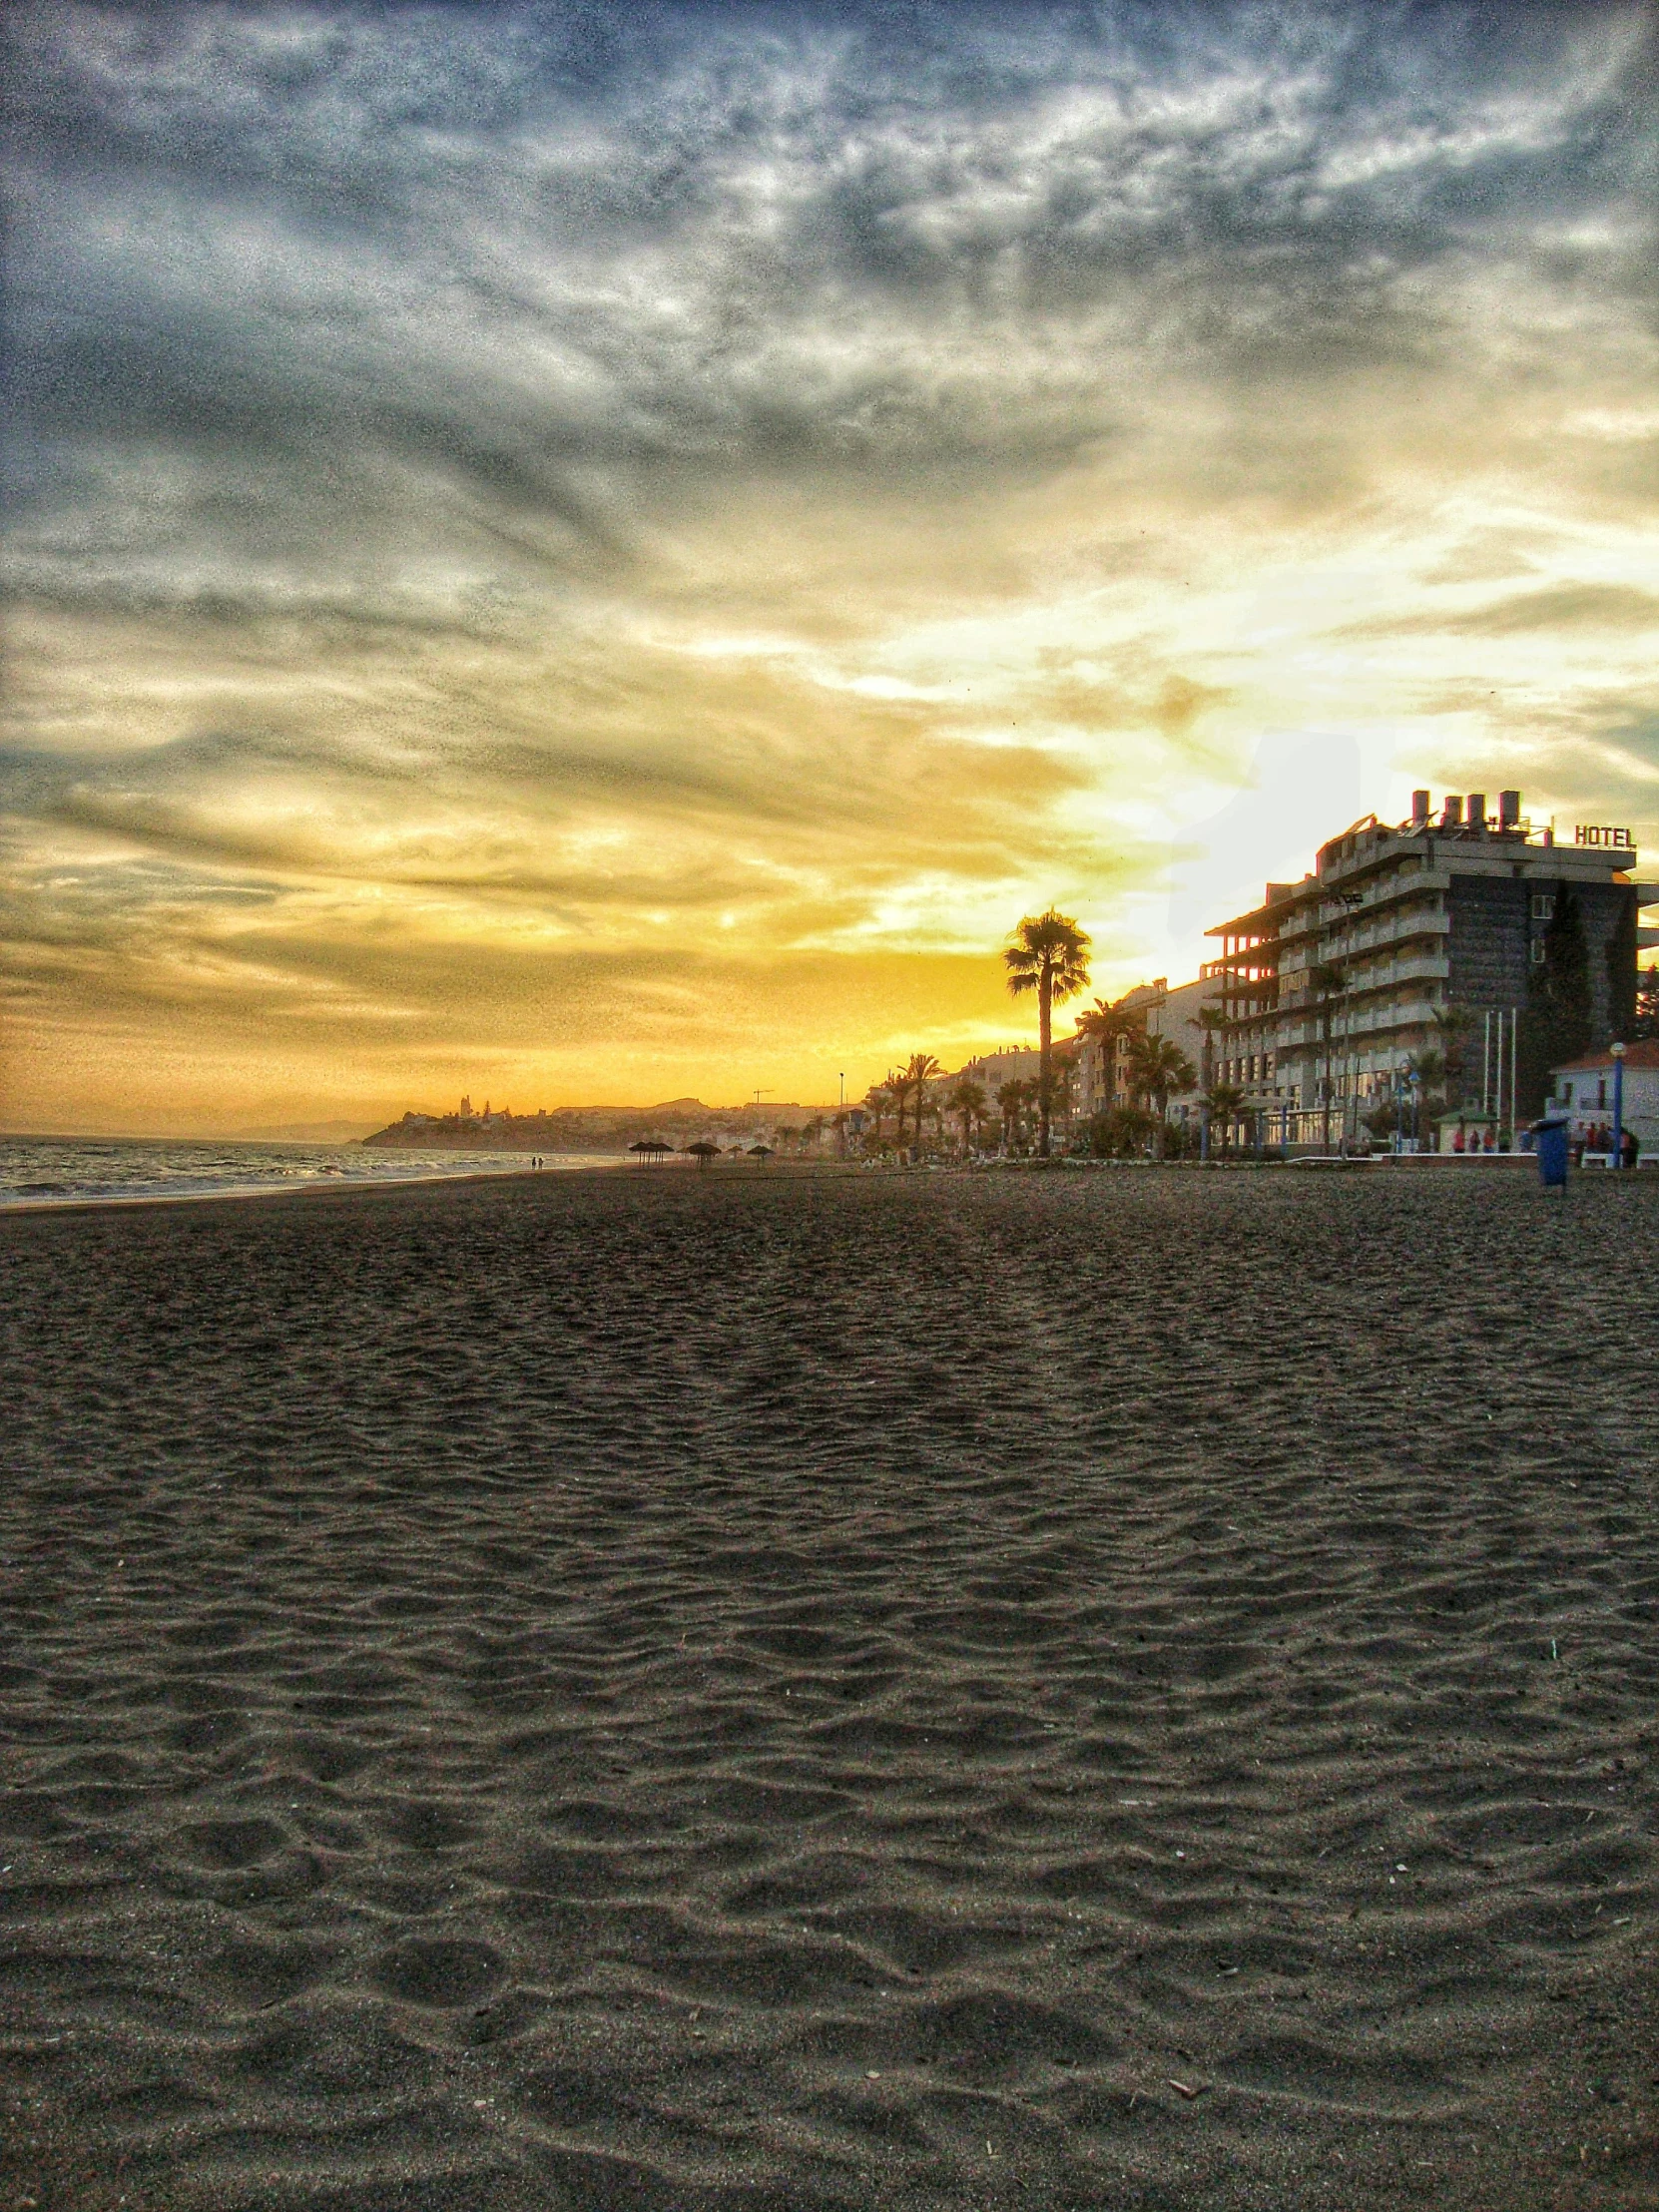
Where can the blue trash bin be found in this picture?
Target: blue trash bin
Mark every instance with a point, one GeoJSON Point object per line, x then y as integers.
{"type": "Point", "coordinates": [1549, 1138]}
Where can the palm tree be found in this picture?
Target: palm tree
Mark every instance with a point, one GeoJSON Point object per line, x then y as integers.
{"type": "Point", "coordinates": [1108, 1021]}
{"type": "Point", "coordinates": [1010, 1097]}
{"type": "Point", "coordinates": [1453, 1027]}
{"type": "Point", "coordinates": [1049, 956]}
{"type": "Point", "coordinates": [1223, 1103]}
{"type": "Point", "coordinates": [1157, 1066]}
{"type": "Point", "coordinates": [1212, 1019]}
{"type": "Point", "coordinates": [1329, 981]}
{"type": "Point", "coordinates": [877, 1098]}
{"type": "Point", "coordinates": [968, 1103]}
{"type": "Point", "coordinates": [915, 1077]}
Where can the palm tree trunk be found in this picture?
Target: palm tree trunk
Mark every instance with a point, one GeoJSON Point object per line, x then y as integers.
{"type": "Point", "coordinates": [1045, 1024]}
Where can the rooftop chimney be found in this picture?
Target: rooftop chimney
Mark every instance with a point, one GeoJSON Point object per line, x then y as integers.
{"type": "Point", "coordinates": [1451, 814]}
{"type": "Point", "coordinates": [1420, 810]}
{"type": "Point", "coordinates": [1509, 810]}
{"type": "Point", "coordinates": [1477, 809]}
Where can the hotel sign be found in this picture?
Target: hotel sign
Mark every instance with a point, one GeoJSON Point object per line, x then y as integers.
{"type": "Point", "coordinates": [1589, 833]}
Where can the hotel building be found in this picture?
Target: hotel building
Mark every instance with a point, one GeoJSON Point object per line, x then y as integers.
{"type": "Point", "coordinates": [1433, 914]}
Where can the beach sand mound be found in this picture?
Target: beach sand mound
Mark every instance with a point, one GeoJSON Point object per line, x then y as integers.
{"type": "Point", "coordinates": [686, 1693]}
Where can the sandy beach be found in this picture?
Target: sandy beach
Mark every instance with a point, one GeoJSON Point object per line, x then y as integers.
{"type": "Point", "coordinates": [682, 1692]}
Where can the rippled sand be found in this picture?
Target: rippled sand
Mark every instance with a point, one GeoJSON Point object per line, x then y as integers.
{"type": "Point", "coordinates": [1129, 1690]}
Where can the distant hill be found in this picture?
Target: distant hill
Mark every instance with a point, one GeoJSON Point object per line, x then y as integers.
{"type": "Point", "coordinates": [311, 1132]}
{"type": "Point", "coordinates": [677, 1121]}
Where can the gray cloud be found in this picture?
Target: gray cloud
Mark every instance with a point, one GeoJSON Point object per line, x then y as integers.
{"type": "Point", "coordinates": [463, 270]}
{"type": "Point", "coordinates": [1560, 607]}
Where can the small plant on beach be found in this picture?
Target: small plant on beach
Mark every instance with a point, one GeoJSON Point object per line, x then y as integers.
{"type": "Point", "coordinates": [1120, 1133]}
{"type": "Point", "coordinates": [1049, 958]}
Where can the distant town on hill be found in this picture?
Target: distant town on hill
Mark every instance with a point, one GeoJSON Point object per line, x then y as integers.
{"type": "Point", "coordinates": [587, 1128]}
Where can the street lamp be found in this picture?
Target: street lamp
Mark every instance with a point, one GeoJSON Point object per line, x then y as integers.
{"type": "Point", "coordinates": [1617, 1160]}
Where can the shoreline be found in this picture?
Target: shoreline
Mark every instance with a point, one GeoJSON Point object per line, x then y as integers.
{"type": "Point", "coordinates": [729, 1171]}
{"type": "Point", "coordinates": [319, 1187]}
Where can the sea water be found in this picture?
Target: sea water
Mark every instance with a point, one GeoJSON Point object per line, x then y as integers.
{"type": "Point", "coordinates": [48, 1171]}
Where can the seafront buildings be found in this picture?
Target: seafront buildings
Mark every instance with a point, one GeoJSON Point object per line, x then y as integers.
{"type": "Point", "coordinates": [1415, 963]}
{"type": "Point", "coordinates": [1328, 991]}
{"type": "Point", "coordinates": [1405, 946]}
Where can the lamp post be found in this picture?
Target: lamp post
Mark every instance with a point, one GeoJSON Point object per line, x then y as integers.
{"type": "Point", "coordinates": [1617, 1160]}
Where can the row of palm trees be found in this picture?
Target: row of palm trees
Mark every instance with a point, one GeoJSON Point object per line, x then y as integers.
{"type": "Point", "coordinates": [1049, 959]}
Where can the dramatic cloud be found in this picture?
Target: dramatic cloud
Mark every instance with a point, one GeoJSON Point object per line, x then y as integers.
{"type": "Point", "coordinates": [619, 549]}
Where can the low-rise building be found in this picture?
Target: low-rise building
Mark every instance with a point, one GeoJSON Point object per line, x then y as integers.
{"type": "Point", "coordinates": [1585, 1088]}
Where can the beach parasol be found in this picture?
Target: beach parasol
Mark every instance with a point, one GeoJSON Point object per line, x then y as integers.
{"type": "Point", "coordinates": [703, 1151]}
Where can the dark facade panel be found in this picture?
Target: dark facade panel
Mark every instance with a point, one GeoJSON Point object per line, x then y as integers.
{"type": "Point", "coordinates": [1492, 928]}
{"type": "Point", "coordinates": [1487, 944]}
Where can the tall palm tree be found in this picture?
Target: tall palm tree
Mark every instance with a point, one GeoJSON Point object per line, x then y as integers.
{"type": "Point", "coordinates": [1329, 981]}
{"type": "Point", "coordinates": [912, 1080]}
{"type": "Point", "coordinates": [968, 1103]}
{"type": "Point", "coordinates": [1453, 1025]}
{"type": "Point", "coordinates": [1049, 956]}
{"type": "Point", "coordinates": [1212, 1020]}
{"type": "Point", "coordinates": [1108, 1022]}
{"type": "Point", "coordinates": [1157, 1066]}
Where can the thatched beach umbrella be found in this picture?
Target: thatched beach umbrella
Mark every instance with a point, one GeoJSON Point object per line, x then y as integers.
{"type": "Point", "coordinates": [651, 1148]}
{"type": "Point", "coordinates": [760, 1152]}
{"type": "Point", "coordinates": [703, 1152]}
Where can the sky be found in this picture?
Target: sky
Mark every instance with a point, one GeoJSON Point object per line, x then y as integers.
{"type": "Point", "coordinates": [608, 553]}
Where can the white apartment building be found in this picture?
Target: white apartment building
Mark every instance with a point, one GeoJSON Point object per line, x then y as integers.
{"type": "Point", "coordinates": [1426, 916]}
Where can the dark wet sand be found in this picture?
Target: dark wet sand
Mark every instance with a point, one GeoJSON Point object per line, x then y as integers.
{"type": "Point", "coordinates": [687, 1692]}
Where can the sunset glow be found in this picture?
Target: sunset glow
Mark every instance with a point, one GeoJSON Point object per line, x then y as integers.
{"type": "Point", "coordinates": [610, 554]}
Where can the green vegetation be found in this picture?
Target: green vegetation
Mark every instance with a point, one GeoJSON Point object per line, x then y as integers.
{"type": "Point", "coordinates": [1050, 957]}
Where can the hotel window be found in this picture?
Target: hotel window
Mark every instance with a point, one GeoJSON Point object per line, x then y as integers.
{"type": "Point", "coordinates": [1543, 906]}
{"type": "Point", "coordinates": [1537, 953]}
